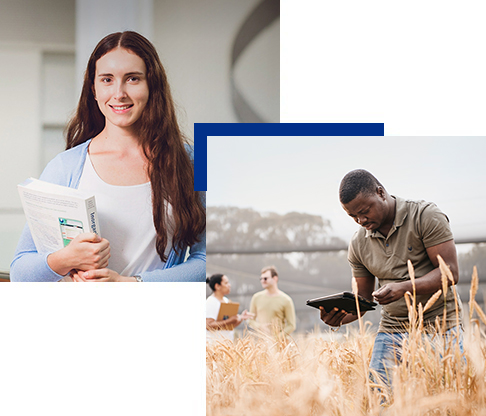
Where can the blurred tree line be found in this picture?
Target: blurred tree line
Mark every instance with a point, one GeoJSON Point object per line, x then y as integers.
{"type": "Point", "coordinates": [303, 275]}
{"type": "Point", "coordinates": [247, 229]}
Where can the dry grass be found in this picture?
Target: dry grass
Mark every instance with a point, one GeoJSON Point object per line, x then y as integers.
{"type": "Point", "coordinates": [321, 375]}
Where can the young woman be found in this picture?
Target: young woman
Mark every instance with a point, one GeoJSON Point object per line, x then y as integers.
{"type": "Point", "coordinates": [221, 287]}
{"type": "Point", "coordinates": [124, 144]}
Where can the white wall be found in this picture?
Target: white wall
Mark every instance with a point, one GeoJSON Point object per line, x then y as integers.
{"type": "Point", "coordinates": [37, 21]}
{"type": "Point", "coordinates": [194, 39]}
{"type": "Point", "coordinates": [257, 73]}
{"type": "Point", "coordinates": [32, 34]}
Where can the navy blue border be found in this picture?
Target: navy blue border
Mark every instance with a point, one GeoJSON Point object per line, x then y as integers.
{"type": "Point", "coordinates": [203, 130]}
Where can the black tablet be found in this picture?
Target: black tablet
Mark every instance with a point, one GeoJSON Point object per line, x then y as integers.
{"type": "Point", "coordinates": [344, 301]}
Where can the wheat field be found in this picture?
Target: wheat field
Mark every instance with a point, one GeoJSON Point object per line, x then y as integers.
{"type": "Point", "coordinates": [316, 374]}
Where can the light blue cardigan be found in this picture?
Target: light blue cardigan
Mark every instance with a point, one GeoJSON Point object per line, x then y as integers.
{"type": "Point", "coordinates": [65, 169]}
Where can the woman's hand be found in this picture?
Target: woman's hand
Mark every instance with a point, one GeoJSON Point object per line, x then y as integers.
{"type": "Point", "coordinates": [85, 252]}
{"type": "Point", "coordinates": [234, 320]}
{"type": "Point", "coordinates": [101, 275]}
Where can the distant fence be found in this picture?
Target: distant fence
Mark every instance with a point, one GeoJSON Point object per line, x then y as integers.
{"type": "Point", "coordinates": [310, 249]}
{"type": "Point", "coordinates": [275, 250]}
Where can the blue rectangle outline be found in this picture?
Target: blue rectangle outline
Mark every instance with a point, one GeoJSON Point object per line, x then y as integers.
{"type": "Point", "coordinates": [203, 130]}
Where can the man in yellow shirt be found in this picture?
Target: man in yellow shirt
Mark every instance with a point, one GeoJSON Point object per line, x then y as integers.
{"type": "Point", "coordinates": [273, 309]}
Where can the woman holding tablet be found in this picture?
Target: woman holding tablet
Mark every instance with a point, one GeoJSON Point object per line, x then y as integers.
{"type": "Point", "coordinates": [124, 145]}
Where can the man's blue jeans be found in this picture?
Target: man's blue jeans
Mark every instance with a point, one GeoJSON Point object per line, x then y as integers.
{"type": "Point", "coordinates": [387, 352]}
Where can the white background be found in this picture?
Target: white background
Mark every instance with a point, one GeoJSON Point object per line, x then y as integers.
{"type": "Point", "coordinates": [114, 349]}
{"type": "Point", "coordinates": [418, 66]}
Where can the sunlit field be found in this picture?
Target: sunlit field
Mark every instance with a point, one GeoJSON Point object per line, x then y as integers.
{"type": "Point", "coordinates": [317, 374]}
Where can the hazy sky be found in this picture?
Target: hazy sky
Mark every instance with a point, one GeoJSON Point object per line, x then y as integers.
{"type": "Point", "coordinates": [284, 174]}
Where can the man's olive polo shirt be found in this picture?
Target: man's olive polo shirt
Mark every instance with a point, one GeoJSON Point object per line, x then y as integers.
{"type": "Point", "coordinates": [418, 225]}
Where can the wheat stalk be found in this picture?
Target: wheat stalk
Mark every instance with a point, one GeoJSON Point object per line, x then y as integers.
{"type": "Point", "coordinates": [445, 269]}
{"type": "Point", "coordinates": [480, 312]}
{"type": "Point", "coordinates": [443, 275]}
{"type": "Point", "coordinates": [432, 300]}
{"type": "Point", "coordinates": [472, 292]}
{"type": "Point", "coordinates": [411, 273]}
{"type": "Point", "coordinates": [354, 285]}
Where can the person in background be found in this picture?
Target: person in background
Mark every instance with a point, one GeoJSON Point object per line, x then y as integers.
{"type": "Point", "coordinates": [273, 309]}
{"type": "Point", "coordinates": [393, 231]}
{"type": "Point", "coordinates": [221, 287]}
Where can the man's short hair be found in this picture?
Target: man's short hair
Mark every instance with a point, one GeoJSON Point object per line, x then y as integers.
{"type": "Point", "coordinates": [356, 182]}
{"type": "Point", "coordinates": [271, 269]}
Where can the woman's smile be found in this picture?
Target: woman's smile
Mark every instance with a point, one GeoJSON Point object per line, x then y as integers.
{"type": "Point", "coordinates": [121, 109]}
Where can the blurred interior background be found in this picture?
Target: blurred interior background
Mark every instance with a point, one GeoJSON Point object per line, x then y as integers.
{"type": "Point", "coordinates": [222, 59]}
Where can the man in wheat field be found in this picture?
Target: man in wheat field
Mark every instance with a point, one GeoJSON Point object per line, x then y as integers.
{"type": "Point", "coordinates": [273, 309]}
{"type": "Point", "coordinates": [393, 231]}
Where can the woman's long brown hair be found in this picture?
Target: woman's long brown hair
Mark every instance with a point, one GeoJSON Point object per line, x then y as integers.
{"type": "Point", "coordinates": [170, 170]}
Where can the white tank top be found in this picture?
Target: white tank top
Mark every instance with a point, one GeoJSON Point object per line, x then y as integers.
{"type": "Point", "coordinates": [125, 215]}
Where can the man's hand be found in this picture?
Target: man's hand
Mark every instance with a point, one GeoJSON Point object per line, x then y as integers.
{"type": "Point", "coordinates": [247, 315]}
{"type": "Point", "coordinates": [334, 317]}
{"type": "Point", "coordinates": [391, 292]}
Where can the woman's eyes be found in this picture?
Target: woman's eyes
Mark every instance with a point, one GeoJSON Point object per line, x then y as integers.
{"type": "Point", "coordinates": [107, 80]}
